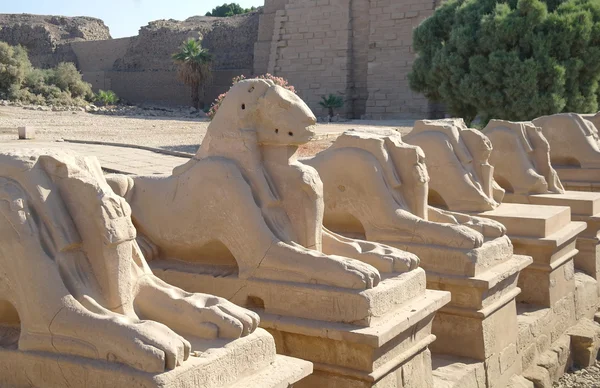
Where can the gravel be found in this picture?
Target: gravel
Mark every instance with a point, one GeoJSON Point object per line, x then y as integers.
{"type": "Point", "coordinates": [583, 378]}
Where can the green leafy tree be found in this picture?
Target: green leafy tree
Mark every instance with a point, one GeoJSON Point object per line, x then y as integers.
{"type": "Point", "coordinates": [195, 64]}
{"type": "Point", "coordinates": [331, 103]}
{"type": "Point", "coordinates": [511, 59]}
{"type": "Point", "coordinates": [227, 10]}
{"type": "Point", "coordinates": [14, 67]}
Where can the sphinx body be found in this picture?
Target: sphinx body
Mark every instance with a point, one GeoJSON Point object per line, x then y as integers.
{"type": "Point", "coordinates": [245, 206]}
{"type": "Point", "coordinates": [384, 196]}
{"type": "Point", "coordinates": [573, 139]}
{"type": "Point", "coordinates": [461, 175]}
{"type": "Point", "coordinates": [74, 279]}
{"type": "Point", "coordinates": [521, 158]}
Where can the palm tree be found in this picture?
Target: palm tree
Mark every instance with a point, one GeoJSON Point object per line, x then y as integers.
{"type": "Point", "coordinates": [331, 103]}
{"type": "Point", "coordinates": [195, 64]}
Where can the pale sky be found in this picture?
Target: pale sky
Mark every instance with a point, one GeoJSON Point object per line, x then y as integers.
{"type": "Point", "coordinates": [123, 17]}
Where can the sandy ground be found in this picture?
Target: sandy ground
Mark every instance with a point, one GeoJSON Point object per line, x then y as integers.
{"type": "Point", "coordinates": [584, 378]}
{"type": "Point", "coordinates": [176, 134]}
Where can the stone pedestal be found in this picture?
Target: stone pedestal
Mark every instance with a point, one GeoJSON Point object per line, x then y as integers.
{"type": "Point", "coordinates": [578, 178]}
{"type": "Point", "coordinates": [480, 322]}
{"type": "Point", "coordinates": [547, 305]}
{"type": "Point", "coordinates": [247, 362]}
{"type": "Point", "coordinates": [585, 206]}
{"type": "Point", "coordinates": [370, 338]}
{"type": "Point", "coordinates": [547, 234]}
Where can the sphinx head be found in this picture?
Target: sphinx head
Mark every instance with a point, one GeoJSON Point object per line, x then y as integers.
{"type": "Point", "coordinates": [278, 116]}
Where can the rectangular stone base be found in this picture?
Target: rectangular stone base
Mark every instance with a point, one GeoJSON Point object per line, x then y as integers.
{"type": "Point", "coordinates": [355, 338]}
{"type": "Point", "coordinates": [547, 234]}
{"type": "Point", "coordinates": [349, 356]}
{"type": "Point", "coordinates": [487, 330]}
{"type": "Point", "coordinates": [246, 362]}
{"type": "Point", "coordinates": [579, 179]}
{"type": "Point", "coordinates": [530, 220]}
{"type": "Point", "coordinates": [359, 307]}
{"type": "Point", "coordinates": [585, 207]}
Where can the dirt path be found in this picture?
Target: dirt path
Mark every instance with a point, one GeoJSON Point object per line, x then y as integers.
{"type": "Point", "coordinates": [176, 134]}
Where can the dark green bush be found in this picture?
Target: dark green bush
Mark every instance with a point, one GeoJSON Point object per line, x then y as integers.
{"type": "Point", "coordinates": [512, 59]}
{"type": "Point", "coordinates": [227, 10]}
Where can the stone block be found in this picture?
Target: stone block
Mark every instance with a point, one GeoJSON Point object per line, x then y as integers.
{"type": "Point", "coordinates": [538, 376]}
{"type": "Point", "coordinates": [217, 364]}
{"type": "Point", "coordinates": [457, 372]}
{"type": "Point", "coordinates": [26, 133]}
{"type": "Point", "coordinates": [581, 203]}
{"type": "Point", "coordinates": [585, 342]}
{"type": "Point", "coordinates": [530, 220]}
{"type": "Point", "coordinates": [362, 344]}
{"type": "Point", "coordinates": [586, 296]}
{"type": "Point", "coordinates": [551, 276]}
{"type": "Point", "coordinates": [520, 382]}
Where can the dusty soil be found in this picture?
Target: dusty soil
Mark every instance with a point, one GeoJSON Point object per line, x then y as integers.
{"type": "Point", "coordinates": [175, 134]}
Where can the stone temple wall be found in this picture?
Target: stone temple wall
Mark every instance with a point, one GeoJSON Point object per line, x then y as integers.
{"type": "Point", "coordinates": [140, 69]}
{"type": "Point", "coordinates": [360, 49]}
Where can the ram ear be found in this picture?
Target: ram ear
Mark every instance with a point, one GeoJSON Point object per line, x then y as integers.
{"type": "Point", "coordinates": [250, 96]}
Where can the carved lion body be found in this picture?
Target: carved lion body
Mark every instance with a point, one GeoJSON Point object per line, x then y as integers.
{"type": "Point", "coordinates": [246, 193]}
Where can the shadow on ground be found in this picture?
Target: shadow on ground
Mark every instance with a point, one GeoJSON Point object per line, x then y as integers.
{"type": "Point", "coordinates": [189, 148]}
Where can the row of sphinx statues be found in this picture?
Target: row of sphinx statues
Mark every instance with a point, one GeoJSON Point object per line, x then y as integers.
{"type": "Point", "coordinates": [80, 250]}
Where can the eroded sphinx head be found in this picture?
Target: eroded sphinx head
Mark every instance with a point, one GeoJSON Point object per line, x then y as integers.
{"type": "Point", "coordinates": [458, 163]}
{"type": "Point", "coordinates": [521, 158]}
{"type": "Point", "coordinates": [404, 167]}
{"type": "Point", "coordinates": [573, 139]}
{"type": "Point", "coordinates": [276, 115]}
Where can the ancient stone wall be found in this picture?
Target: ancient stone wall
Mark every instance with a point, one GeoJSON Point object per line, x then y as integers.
{"type": "Point", "coordinates": [391, 58]}
{"type": "Point", "coordinates": [140, 69]}
{"type": "Point", "coordinates": [359, 49]}
{"type": "Point", "coordinates": [312, 48]}
{"type": "Point", "coordinates": [47, 38]}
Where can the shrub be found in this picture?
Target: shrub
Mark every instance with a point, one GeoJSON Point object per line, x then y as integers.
{"type": "Point", "coordinates": [227, 10]}
{"type": "Point", "coordinates": [68, 79]}
{"type": "Point", "coordinates": [510, 59]}
{"type": "Point", "coordinates": [19, 81]}
{"type": "Point", "coordinates": [276, 80]}
{"type": "Point", "coordinates": [106, 97]}
{"type": "Point", "coordinates": [14, 66]}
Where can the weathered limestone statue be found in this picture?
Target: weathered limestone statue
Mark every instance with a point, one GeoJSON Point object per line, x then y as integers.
{"type": "Point", "coordinates": [467, 185]}
{"type": "Point", "coordinates": [244, 220]}
{"type": "Point", "coordinates": [544, 232]}
{"type": "Point", "coordinates": [251, 196]}
{"type": "Point", "coordinates": [574, 148]}
{"type": "Point", "coordinates": [521, 159]}
{"type": "Point", "coordinates": [79, 305]}
{"type": "Point", "coordinates": [394, 173]}
{"type": "Point", "coordinates": [383, 196]}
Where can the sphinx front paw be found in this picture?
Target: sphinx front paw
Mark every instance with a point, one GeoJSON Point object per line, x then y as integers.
{"type": "Point", "coordinates": [387, 259]}
{"type": "Point", "coordinates": [223, 318]}
{"type": "Point", "coordinates": [488, 228]}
